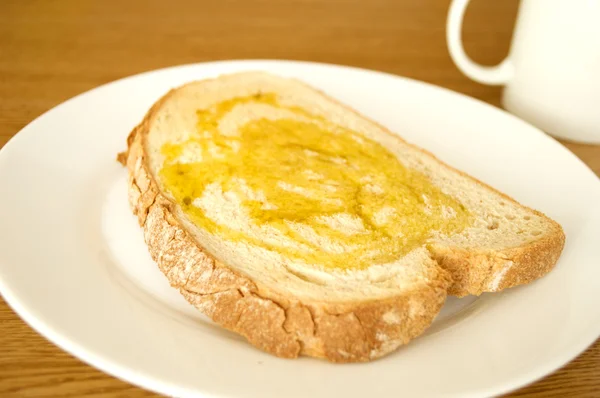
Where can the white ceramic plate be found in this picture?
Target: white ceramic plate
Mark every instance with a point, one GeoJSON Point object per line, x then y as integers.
{"type": "Point", "coordinates": [73, 263]}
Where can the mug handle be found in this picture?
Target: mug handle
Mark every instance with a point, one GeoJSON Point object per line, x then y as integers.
{"type": "Point", "coordinates": [492, 75]}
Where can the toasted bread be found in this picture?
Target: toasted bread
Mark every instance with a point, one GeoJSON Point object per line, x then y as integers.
{"type": "Point", "coordinates": [303, 226]}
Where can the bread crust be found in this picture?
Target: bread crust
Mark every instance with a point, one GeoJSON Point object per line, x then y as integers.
{"type": "Point", "coordinates": [353, 331]}
{"type": "Point", "coordinates": [480, 272]}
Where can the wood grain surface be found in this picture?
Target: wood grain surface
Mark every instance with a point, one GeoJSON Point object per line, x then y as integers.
{"type": "Point", "coordinates": [53, 50]}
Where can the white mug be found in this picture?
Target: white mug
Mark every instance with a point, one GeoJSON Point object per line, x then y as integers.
{"type": "Point", "coordinates": [551, 76]}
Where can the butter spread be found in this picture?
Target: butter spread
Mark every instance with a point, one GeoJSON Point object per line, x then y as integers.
{"type": "Point", "coordinates": [312, 181]}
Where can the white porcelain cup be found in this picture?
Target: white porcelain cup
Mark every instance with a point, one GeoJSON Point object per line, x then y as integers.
{"type": "Point", "coordinates": [551, 75]}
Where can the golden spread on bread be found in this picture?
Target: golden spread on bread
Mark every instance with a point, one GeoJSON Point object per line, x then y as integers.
{"type": "Point", "coordinates": [333, 197]}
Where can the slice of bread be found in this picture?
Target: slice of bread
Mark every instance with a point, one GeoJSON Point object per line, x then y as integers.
{"type": "Point", "coordinates": [310, 230]}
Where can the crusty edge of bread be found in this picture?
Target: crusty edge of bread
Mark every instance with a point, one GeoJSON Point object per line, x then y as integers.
{"type": "Point", "coordinates": [286, 327]}
{"type": "Point", "coordinates": [475, 272]}
{"type": "Point", "coordinates": [354, 331]}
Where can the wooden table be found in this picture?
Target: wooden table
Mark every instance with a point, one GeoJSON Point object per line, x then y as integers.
{"type": "Point", "coordinates": [53, 50]}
